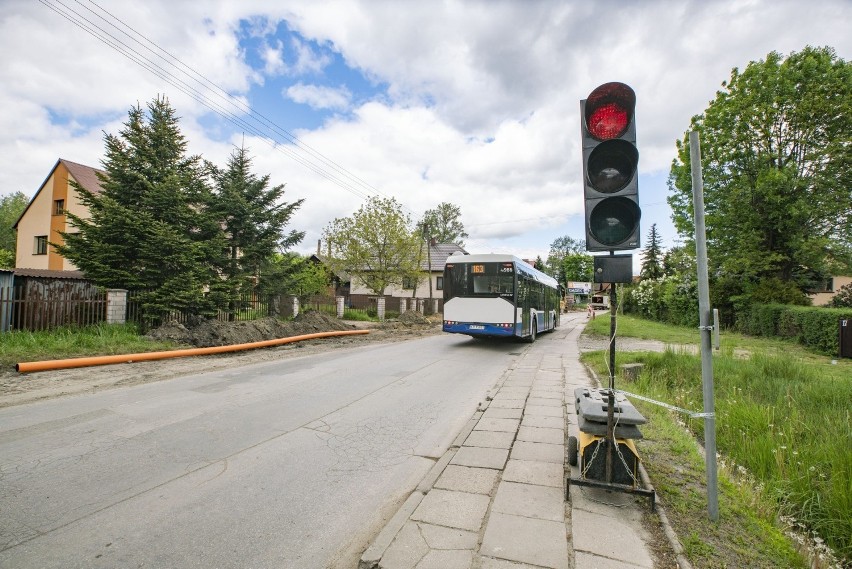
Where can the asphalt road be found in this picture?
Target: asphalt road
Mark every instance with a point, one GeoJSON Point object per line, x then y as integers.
{"type": "Point", "coordinates": [292, 463]}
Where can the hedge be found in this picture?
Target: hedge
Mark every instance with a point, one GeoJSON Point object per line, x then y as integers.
{"type": "Point", "coordinates": [814, 327]}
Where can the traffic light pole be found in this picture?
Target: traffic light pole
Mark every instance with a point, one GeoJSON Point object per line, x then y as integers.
{"type": "Point", "coordinates": [706, 327]}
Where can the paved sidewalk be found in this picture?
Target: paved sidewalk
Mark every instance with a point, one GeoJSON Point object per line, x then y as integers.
{"type": "Point", "coordinates": [496, 498]}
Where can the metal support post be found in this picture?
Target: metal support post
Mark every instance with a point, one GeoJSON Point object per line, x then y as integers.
{"type": "Point", "coordinates": [705, 327]}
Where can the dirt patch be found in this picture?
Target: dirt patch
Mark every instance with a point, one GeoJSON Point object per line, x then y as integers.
{"type": "Point", "coordinates": [208, 333]}
{"type": "Point", "coordinates": [17, 388]}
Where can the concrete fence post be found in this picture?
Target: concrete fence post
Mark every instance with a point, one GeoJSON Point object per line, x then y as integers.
{"type": "Point", "coordinates": [295, 306]}
{"type": "Point", "coordinates": [339, 300]}
{"type": "Point", "coordinates": [116, 306]}
{"type": "Point", "coordinates": [403, 305]}
{"type": "Point", "coordinates": [380, 308]}
{"type": "Point", "coordinates": [434, 306]}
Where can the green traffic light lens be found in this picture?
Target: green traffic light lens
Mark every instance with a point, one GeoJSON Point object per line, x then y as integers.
{"type": "Point", "coordinates": [614, 220]}
{"type": "Point", "coordinates": [612, 165]}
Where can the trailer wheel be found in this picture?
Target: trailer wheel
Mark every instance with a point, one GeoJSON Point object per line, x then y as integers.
{"type": "Point", "coordinates": [573, 450]}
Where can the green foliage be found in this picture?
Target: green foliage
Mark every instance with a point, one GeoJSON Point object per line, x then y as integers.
{"type": "Point", "coordinates": [11, 208]}
{"type": "Point", "coordinates": [377, 245]}
{"type": "Point", "coordinates": [775, 162]}
{"type": "Point", "coordinates": [561, 248]}
{"type": "Point", "coordinates": [672, 299]}
{"type": "Point", "coordinates": [782, 415]}
{"type": "Point", "coordinates": [444, 224]}
{"type": "Point", "coordinates": [652, 256]}
{"type": "Point", "coordinates": [99, 340]}
{"type": "Point", "coordinates": [843, 297]}
{"type": "Point", "coordinates": [253, 218]}
{"type": "Point", "coordinates": [816, 328]}
{"type": "Point", "coordinates": [149, 228]}
{"type": "Point", "coordinates": [294, 275]}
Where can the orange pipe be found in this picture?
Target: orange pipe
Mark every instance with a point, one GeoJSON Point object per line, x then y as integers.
{"type": "Point", "coordinates": [27, 367]}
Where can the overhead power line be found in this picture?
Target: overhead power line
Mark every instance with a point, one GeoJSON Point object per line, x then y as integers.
{"type": "Point", "coordinates": [118, 35]}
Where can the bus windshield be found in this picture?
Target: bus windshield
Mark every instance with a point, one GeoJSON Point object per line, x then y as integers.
{"type": "Point", "coordinates": [479, 279]}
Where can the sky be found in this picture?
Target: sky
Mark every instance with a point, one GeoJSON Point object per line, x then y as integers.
{"type": "Point", "coordinates": [475, 103]}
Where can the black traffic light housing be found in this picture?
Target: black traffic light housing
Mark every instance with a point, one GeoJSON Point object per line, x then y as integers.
{"type": "Point", "coordinates": [610, 161]}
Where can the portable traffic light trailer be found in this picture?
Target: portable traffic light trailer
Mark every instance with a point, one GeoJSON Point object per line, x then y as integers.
{"type": "Point", "coordinates": [604, 451]}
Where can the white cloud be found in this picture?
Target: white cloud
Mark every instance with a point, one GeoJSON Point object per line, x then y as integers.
{"type": "Point", "coordinates": [479, 105]}
{"type": "Point", "coordinates": [319, 97]}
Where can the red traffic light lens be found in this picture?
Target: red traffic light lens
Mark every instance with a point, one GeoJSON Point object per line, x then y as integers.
{"type": "Point", "coordinates": [609, 110]}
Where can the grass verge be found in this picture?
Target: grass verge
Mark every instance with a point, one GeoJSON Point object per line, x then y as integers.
{"type": "Point", "coordinates": [99, 340]}
{"type": "Point", "coordinates": [783, 431]}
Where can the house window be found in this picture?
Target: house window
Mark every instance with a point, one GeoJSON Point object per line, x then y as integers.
{"type": "Point", "coordinates": [408, 283]}
{"type": "Point", "coordinates": [40, 245]}
{"type": "Point", "coordinates": [58, 207]}
{"type": "Point", "coordinates": [439, 283]}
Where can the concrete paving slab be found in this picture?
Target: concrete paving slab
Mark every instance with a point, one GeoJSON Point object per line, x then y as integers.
{"type": "Point", "coordinates": [481, 457]}
{"type": "Point", "coordinates": [541, 543]}
{"type": "Point", "coordinates": [506, 425]}
{"type": "Point", "coordinates": [467, 479]}
{"type": "Point", "coordinates": [519, 390]}
{"type": "Point", "coordinates": [452, 509]}
{"type": "Point", "coordinates": [491, 563]}
{"type": "Point", "coordinates": [544, 393]}
{"type": "Point", "coordinates": [545, 422]}
{"type": "Point", "coordinates": [490, 439]}
{"type": "Point", "coordinates": [610, 537]}
{"type": "Point", "coordinates": [543, 452]}
{"type": "Point", "coordinates": [529, 501]}
{"type": "Point", "coordinates": [503, 414]}
{"type": "Point", "coordinates": [534, 472]}
{"type": "Point", "coordinates": [438, 537]}
{"type": "Point", "coordinates": [583, 560]}
{"type": "Point", "coordinates": [407, 549]}
{"type": "Point", "coordinates": [536, 401]}
{"type": "Point", "coordinates": [380, 545]}
{"type": "Point", "coordinates": [541, 435]}
{"type": "Point", "coordinates": [454, 559]}
{"type": "Point", "coordinates": [506, 403]}
{"type": "Point", "coordinates": [542, 411]}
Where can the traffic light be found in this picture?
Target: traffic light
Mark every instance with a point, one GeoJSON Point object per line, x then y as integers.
{"type": "Point", "coordinates": [610, 159]}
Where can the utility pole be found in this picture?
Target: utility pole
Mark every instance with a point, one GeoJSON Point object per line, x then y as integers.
{"type": "Point", "coordinates": [706, 328]}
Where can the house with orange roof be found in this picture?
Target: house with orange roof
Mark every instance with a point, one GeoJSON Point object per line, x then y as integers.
{"type": "Point", "coordinates": [45, 217]}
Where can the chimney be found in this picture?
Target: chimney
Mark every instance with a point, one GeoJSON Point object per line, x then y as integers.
{"type": "Point", "coordinates": [319, 242]}
{"type": "Point", "coordinates": [433, 241]}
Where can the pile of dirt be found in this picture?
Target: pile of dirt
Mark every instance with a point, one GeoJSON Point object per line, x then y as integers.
{"type": "Point", "coordinates": [414, 318]}
{"type": "Point", "coordinates": [209, 333]}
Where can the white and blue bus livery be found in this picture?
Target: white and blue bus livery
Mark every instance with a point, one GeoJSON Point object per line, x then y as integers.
{"type": "Point", "coordinates": [498, 296]}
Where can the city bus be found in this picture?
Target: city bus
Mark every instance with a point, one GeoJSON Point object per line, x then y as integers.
{"type": "Point", "coordinates": [498, 296]}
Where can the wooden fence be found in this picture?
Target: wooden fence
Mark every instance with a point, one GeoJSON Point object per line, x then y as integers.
{"type": "Point", "coordinates": [32, 307]}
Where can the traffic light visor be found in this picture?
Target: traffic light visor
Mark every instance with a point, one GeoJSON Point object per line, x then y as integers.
{"type": "Point", "coordinates": [612, 165]}
{"type": "Point", "coordinates": [609, 110]}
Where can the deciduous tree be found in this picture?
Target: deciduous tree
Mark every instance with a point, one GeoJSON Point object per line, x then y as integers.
{"type": "Point", "coordinates": [776, 147]}
{"type": "Point", "coordinates": [377, 245]}
{"type": "Point", "coordinates": [444, 224]}
{"type": "Point", "coordinates": [11, 208]}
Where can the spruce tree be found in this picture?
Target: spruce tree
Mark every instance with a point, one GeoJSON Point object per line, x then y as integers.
{"type": "Point", "coordinates": [253, 218]}
{"type": "Point", "coordinates": [149, 230]}
{"type": "Point", "coordinates": [652, 256]}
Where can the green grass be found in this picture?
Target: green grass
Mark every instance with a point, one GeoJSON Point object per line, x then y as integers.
{"type": "Point", "coordinates": [783, 420]}
{"type": "Point", "coordinates": [104, 339]}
